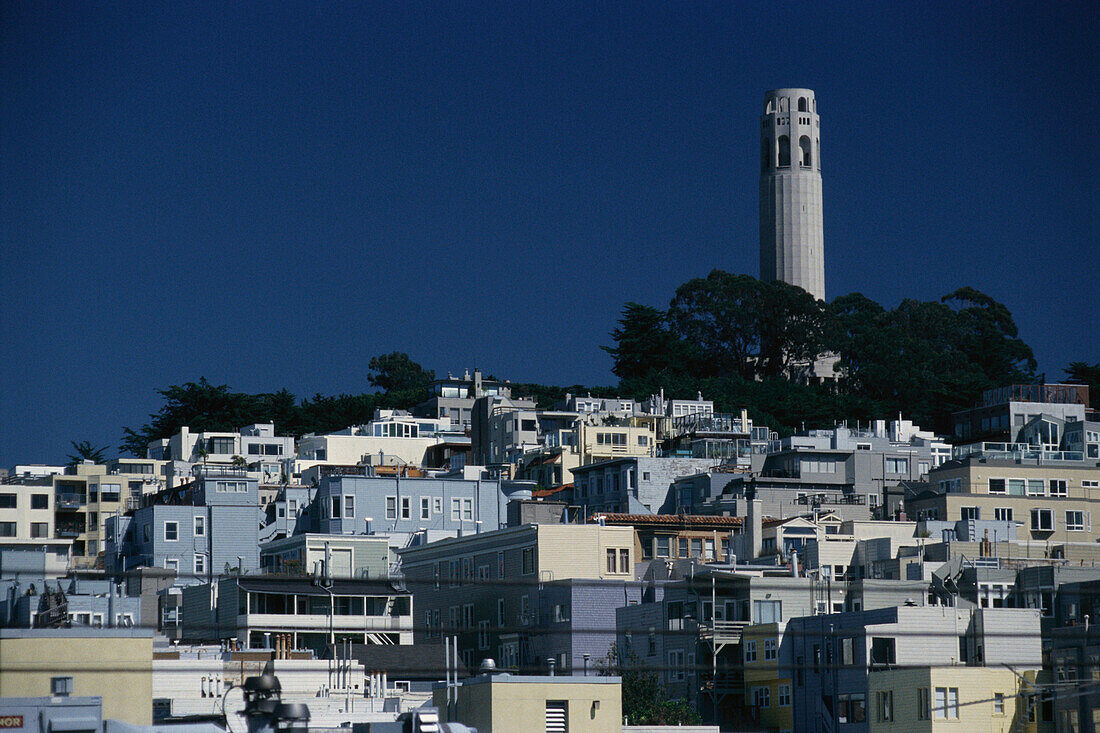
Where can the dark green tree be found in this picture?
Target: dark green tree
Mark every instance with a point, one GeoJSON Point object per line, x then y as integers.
{"type": "Point", "coordinates": [719, 315]}
{"type": "Point", "coordinates": [1081, 372]}
{"type": "Point", "coordinates": [85, 451]}
{"type": "Point", "coordinates": [396, 372]}
{"type": "Point", "coordinates": [792, 328]}
{"type": "Point", "coordinates": [645, 700]}
{"type": "Point", "coordinates": [644, 343]}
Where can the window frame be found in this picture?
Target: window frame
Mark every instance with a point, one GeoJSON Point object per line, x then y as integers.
{"type": "Point", "coordinates": [176, 528]}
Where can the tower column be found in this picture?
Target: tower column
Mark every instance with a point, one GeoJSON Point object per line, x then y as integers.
{"type": "Point", "coordinates": [791, 232]}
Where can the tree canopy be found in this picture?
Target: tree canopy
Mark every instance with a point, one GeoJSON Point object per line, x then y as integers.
{"type": "Point", "coordinates": [740, 341]}
{"type": "Point", "coordinates": [203, 406]}
{"type": "Point", "coordinates": [85, 451]}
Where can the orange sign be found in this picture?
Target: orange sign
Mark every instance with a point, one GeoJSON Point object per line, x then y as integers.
{"type": "Point", "coordinates": [11, 721]}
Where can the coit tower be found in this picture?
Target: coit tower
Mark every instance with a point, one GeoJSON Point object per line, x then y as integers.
{"type": "Point", "coordinates": [791, 239]}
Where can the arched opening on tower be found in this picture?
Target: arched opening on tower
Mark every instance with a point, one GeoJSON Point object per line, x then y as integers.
{"type": "Point", "coordinates": [807, 153]}
{"type": "Point", "coordinates": [784, 151]}
{"type": "Point", "coordinates": [765, 154]}
{"type": "Point", "coordinates": [802, 105]}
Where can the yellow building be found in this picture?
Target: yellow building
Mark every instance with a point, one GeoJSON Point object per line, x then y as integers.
{"type": "Point", "coordinates": [767, 676]}
{"type": "Point", "coordinates": [114, 664]}
{"type": "Point", "coordinates": [502, 703]}
{"type": "Point", "coordinates": [950, 698]}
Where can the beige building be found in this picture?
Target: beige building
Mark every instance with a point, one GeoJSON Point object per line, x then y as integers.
{"type": "Point", "coordinates": [26, 510]}
{"type": "Point", "coordinates": [1050, 499]}
{"type": "Point", "coordinates": [503, 703]}
{"type": "Point", "coordinates": [115, 664]}
{"type": "Point", "coordinates": [948, 698]}
{"type": "Point", "coordinates": [74, 505]}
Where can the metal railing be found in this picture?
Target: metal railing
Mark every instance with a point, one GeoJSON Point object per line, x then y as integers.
{"type": "Point", "coordinates": [69, 501]}
{"type": "Point", "coordinates": [722, 632]}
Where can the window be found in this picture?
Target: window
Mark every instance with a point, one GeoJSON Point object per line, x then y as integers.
{"type": "Point", "coordinates": [761, 697]}
{"type": "Point", "coordinates": [1003, 514]}
{"type": "Point", "coordinates": [171, 531]}
{"type": "Point", "coordinates": [886, 706]}
{"type": "Point", "coordinates": [947, 703]}
{"type": "Point", "coordinates": [40, 529]}
{"type": "Point", "coordinates": [7, 529]}
{"type": "Point", "coordinates": [61, 686]}
{"type": "Point", "coordinates": [883, 651]}
{"type": "Point", "coordinates": [171, 563]}
{"type": "Point", "coordinates": [349, 506]}
{"type": "Point", "coordinates": [750, 651]}
{"type": "Point", "coordinates": [40, 501]}
{"type": "Point", "coordinates": [897, 465]}
{"type": "Point", "coordinates": [784, 151]}
{"type": "Point", "coordinates": [500, 612]}
{"type": "Point", "coordinates": [783, 698]}
{"type": "Point", "coordinates": [500, 565]}
{"type": "Point", "coordinates": [1075, 521]}
{"type": "Point", "coordinates": [468, 509]}
{"type": "Point", "coordinates": [200, 564]}
{"type": "Point", "coordinates": [998, 703]}
{"type": "Point", "coordinates": [200, 526]}
{"type": "Point", "coordinates": [1036, 487]}
{"type": "Point", "coordinates": [852, 708]}
{"type": "Point", "coordinates": [231, 487]}
{"type": "Point", "coordinates": [770, 649]}
{"type": "Point", "coordinates": [219, 445]}
{"type": "Point", "coordinates": [335, 507]}
{"type": "Point", "coordinates": [482, 634]}
{"type": "Point", "coordinates": [611, 555]}
{"type": "Point", "coordinates": [1042, 520]}
{"type": "Point", "coordinates": [528, 560]}
{"type": "Point", "coordinates": [468, 616]}
{"type": "Point", "coordinates": [1058, 487]}
{"type": "Point", "coordinates": [997, 486]}
{"type": "Point", "coordinates": [970, 512]}
{"type": "Point", "coordinates": [675, 665]}
{"type": "Point", "coordinates": [624, 561]}
{"type": "Point", "coordinates": [391, 507]}
{"type": "Point", "coordinates": [923, 704]}
{"type": "Point", "coordinates": [425, 507]}
{"type": "Point", "coordinates": [406, 507]}
{"type": "Point", "coordinates": [7, 501]}
{"type": "Point", "coordinates": [847, 651]}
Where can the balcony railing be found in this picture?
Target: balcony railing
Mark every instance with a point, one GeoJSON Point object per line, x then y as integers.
{"type": "Point", "coordinates": [68, 531]}
{"type": "Point", "coordinates": [69, 501]}
{"type": "Point", "coordinates": [722, 632]}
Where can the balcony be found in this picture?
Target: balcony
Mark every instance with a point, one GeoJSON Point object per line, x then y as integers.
{"type": "Point", "coordinates": [69, 531]}
{"type": "Point", "coordinates": [722, 632]}
{"type": "Point", "coordinates": [69, 501]}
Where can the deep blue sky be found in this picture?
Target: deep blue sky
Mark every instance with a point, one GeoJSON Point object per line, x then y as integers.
{"type": "Point", "coordinates": [268, 194]}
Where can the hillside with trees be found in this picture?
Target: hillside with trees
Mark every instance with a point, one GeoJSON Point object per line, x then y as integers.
{"type": "Point", "coordinates": [731, 337]}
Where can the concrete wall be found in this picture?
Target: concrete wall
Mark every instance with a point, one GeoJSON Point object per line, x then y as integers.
{"type": "Point", "coordinates": [518, 704]}
{"type": "Point", "coordinates": [113, 664]}
{"type": "Point", "coordinates": [976, 685]}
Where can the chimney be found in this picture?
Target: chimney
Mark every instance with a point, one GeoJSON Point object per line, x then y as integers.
{"type": "Point", "coordinates": [755, 529]}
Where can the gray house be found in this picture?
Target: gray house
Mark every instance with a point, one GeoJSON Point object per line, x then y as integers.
{"type": "Point", "coordinates": [836, 654]}
{"type": "Point", "coordinates": [394, 504]}
{"type": "Point", "coordinates": [198, 531]}
{"type": "Point", "coordinates": [636, 485]}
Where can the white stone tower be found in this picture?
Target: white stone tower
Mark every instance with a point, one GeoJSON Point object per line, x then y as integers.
{"type": "Point", "coordinates": [791, 239]}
